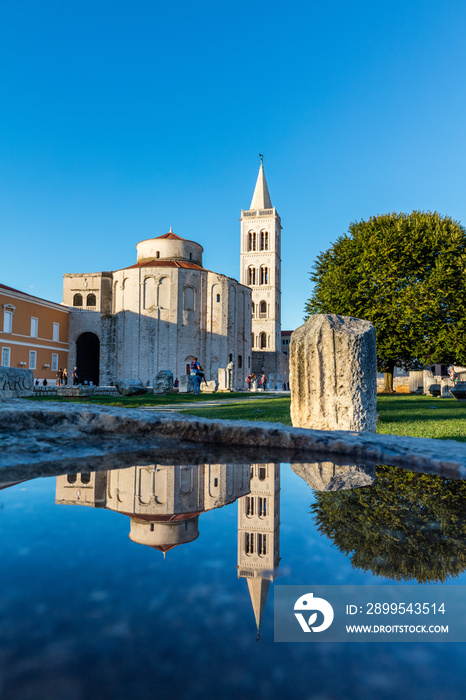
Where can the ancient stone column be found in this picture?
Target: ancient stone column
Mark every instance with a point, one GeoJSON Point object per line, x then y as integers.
{"type": "Point", "coordinates": [333, 374]}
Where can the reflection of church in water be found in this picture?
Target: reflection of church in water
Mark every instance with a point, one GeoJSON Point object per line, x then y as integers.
{"type": "Point", "coordinates": [164, 504]}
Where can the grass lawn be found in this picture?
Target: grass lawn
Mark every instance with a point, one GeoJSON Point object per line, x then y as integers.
{"type": "Point", "coordinates": [418, 416]}
{"type": "Point", "coordinates": [149, 399]}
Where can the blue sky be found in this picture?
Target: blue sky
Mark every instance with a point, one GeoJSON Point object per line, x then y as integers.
{"type": "Point", "coordinates": [119, 120]}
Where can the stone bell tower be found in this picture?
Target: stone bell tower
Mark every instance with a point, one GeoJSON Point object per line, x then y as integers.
{"type": "Point", "coordinates": [261, 271]}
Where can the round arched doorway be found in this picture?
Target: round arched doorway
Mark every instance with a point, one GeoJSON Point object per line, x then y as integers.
{"type": "Point", "coordinates": [87, 358]}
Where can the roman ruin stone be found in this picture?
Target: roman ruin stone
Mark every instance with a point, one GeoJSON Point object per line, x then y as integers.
{"type": "Point", "coordinates": [186, 384]}
{"type": "Point", "coordinates": [15, 383]}
{"type": "Point", "coordinates": [130, 387]}
{"type": "Point", "coordinates": [328, 476]}
{"type": "Point", "coordinates": [333, 374]}
{"type": "Point", "coordinates": [37, 438]}
{"type": "Point", "coordinates": [163, 382]}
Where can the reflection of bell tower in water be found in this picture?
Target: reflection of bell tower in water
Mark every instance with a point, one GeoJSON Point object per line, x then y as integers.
{"type": "Point", "coordinates": [259, 534]}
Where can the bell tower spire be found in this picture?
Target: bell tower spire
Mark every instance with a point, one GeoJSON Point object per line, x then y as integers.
{"type": "Point", "coordinates": [261, 271]}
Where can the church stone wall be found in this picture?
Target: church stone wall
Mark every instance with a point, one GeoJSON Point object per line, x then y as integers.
{"type": "Point", "coordinates": [153, 318]}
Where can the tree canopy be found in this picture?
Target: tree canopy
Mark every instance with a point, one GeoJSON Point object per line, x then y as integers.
{"type": "Point", "coordinates": [405, 274]}
{"type": "Point", "coordinates": [405, 526]}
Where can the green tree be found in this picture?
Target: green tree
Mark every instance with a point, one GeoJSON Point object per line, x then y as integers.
{"type": "Point", "coordinates": [405, 274]}
{"type": "Point", "coordinates": [405, 526]}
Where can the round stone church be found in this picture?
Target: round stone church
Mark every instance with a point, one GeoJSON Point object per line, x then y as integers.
{"type": "Point", "coordinates": [158, 314]}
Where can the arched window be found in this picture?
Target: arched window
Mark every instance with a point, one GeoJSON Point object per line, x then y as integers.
{"type": "Point", "coordinates": [264, 275]}
{"type": "Point", "coordinates": [91, 300]}
{"type": "Point", "coordinates": [252, 240]}
{"type": "Point", "coordinates": [253, 308]}
{"type": "Point", "coordinates": [188, 302]}
{"type": "Point", "coordinates": [263, 309]}
{"type": "Point", "coordinates": [262, 340]}
{"type": "Point", "coordinates": [264, 240]}
{"type": "Point", "coordinates": [251, 276]}
{"type": "Point", "coordinates": [71, 478]}
{"type": "Point", "coordinates": [164, 293]}
{"type": "Point", "coordinates": [78, 300]}
{"type": "Point", "coordinates": [85, 477]}
{"type": "Point", "coordinates": [157, 254]}
{"type": "Point", "coordinates": [149, 292]}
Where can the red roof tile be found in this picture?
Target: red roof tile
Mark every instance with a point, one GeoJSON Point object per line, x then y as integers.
{"type": "Point", "coordinates": [172, 236]}
{"type": "Point", "coordinates": [18, 291]}
{"type": "Point", "coordinates": [165, 263]}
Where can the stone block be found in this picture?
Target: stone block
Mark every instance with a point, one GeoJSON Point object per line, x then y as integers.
{"type": "Point", "coordinates": [445, 386]}
{"type": "Point", "coordinates": [75, 391]}
{"type": "Point", "coordinates": [416, 381]}
{"type": "Point", "coordinates": [402, 389]}
{"type": "Point", "coordinates": [223, 379]}
{"type": "Point", "coordinates": [328, 476]}
{"type": "Point", "coordinates": [163, 382]}
{"type": "Point", "coordinates": [186, 384]}
{"type": "Point", "coordinates": [209, 386]}
{"type": "Point", "coordinates": [130, 387]}
{"type": "Point", "coordinates": [459, 391]}
{"type": "Point", "coordinates": [16, 383]}
{"type": "Point", "coordinates": [333, 374]}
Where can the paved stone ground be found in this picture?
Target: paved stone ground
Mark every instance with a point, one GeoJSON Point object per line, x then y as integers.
{"type": "Point", "coordinates": [213, 402]}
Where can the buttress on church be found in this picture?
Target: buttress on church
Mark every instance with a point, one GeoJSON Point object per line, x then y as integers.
{"type": "Point", "coordinates": [166, 309]}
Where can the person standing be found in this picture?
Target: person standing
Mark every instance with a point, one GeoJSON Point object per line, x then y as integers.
{"type": "Point", "coordinates": [263, 383]}
{"type": "Point", "coordinates": [59, 377]}
{"type": "Point", "coordinates": [196, 372]}
{"type": "Point", "coordinates": [74, 376]}
{"type": "Point", "coordinates": [65, 377]}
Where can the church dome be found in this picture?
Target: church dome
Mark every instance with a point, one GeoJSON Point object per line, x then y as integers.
{"type": "Point", "coordinates": [164, 535]}
{"type": "Point", "coordinates": [169, 246]}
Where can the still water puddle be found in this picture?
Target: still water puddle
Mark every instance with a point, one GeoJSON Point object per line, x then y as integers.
{"type": "Point", "coordinates": [154, 581]}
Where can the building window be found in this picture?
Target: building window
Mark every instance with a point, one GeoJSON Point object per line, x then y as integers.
{"type": "Point", "coordinates": [252, 340]}
{"type": "Point", "coordinates": [55, 362]}
{"type": "Point", "coordinates": [188, 302]}
{"type": "Point", "coordinates": [91, 300]}
{"type": "Point", "coordinates": [263, 309]}
{"type": "Point", "coordinates": [253, 309]}
{"type": "Point", "coordinates": [218, 297]}
{"type": "Point", "coordinates": [251, 276]}
{"type": "Point", "coordinates": [264, 240]}
{"type": "Point", "coordinates": [252, 240]}
{"type": "Point", "coordinates": [262, 340]}
{"type": "Point", "coordinates": [264, 275]}
{"type": "Point", "coordinates": [262, 507]}
{"type": "Point", "coordinates": [8, 319]}
{"type": "Point", "coordinates": [249, 542]}
{"type": "Point", "coordinates": [6, 357]}
{"type": "Point", "coordinates": [261, 545]}
{"type": "Point", "coordinates": [32, 359]}
{"type": "Point", "coordinates": [78, 300]}
{"type": "Point", "coordinates": [34, 327]}
{"type": "Point", "coordinates": [71, 478]}
{"type": "Point", "coordinates": [157, 254]}
{"type": "Point", "coordinates": [262, 473]}
{"type": "Point", "coordinates": [240, 361]}
{"type": "Point", "coordinates": [249, 505]}
{"type": "Point", "coordinates": [85, 477]}
{"type": "Point", "coordinates": [56, 332]}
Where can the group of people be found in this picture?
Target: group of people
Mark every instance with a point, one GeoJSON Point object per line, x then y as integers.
{"type": "Point", "coordinates": [251, 378]}
{"type": "Point", "coordinates": [62, 377]}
